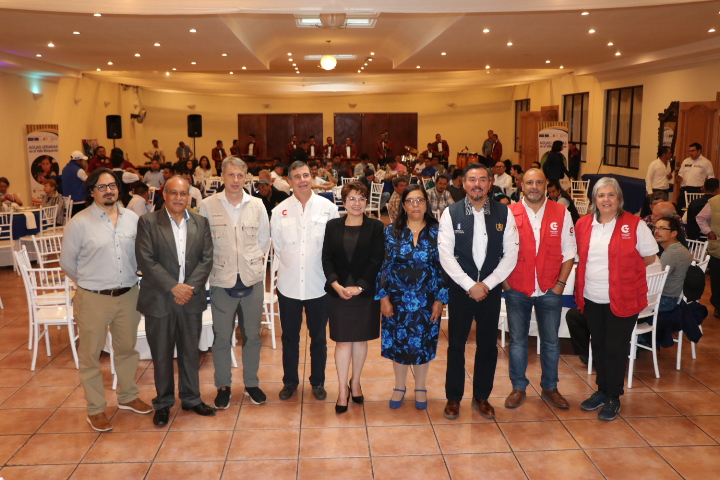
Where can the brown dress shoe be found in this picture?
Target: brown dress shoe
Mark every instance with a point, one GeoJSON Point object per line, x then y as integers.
{"type": "Point", "coordinates": [554, 397]}
{"type": "Point", "coordinates": [515, 398]}
{"type": "Point", "coordinates": [99, 422]}
{"type": "Point", "coordinates": [137, 406]}
{"type": "Point", "coordinates": [485, 409]}
{"type": "Point", "coordinates": [452, 410]}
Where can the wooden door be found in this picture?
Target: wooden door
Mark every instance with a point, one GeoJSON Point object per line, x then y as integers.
{"type": "Point", "coordinates": [698, 122]}
{"type": "Point", "coordinates": [348, 125]}
{"type": "Point", "coordinates": [403, 131]}
{"type": "Point", "coordinates": [280, 129]}
{"type": "Point", "coordinates": [255, 124]}
{"type": "Point", "coordinates": [550, 113]}
{"type": "Point", "coordinates": [307, 124]}
{"type": "Point", "coordinates": [372, 125]}
{"type": "Point", "coordinates": [528, 148]}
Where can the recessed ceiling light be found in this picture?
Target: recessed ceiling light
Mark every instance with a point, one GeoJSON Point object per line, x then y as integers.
{"type": "Point", "coordinates": [585, 13]}
{"type": "Point", "coordinates": [137, 54]}
{"type": "Point", "coordinates": [363, 68]}
{"type": "Point", "coordinates": [547, 61]}
{"type": "Point", "coordinates": [167, 73]}
{"type": "Point", "coordinates": [193, 63]}
{"type": "Point", "coordinates": [98, 69]}
{"type": "Point", "coordinates": [369, 59]}
{"type": "Point", "coordinates": [372, 53]}
{"type": "Point", "coordinates": [617, 54]}
{"type": "Point", "coordinates": [592, 30]}
{"type": "Point", "coordinates": [418, 66]}
{"type": "Point", "coordinates": [156, 44]}
{"type": "Point", "coordinates": [294, 64]}
{"type": "Point", "coordinates": [244, 68]}
{"type": "Point", "coordinates": [487, 66]}
{"type": "Point", "coordinates": [51, 44]}
{"type": "Point", "coordinates": [443, 53]}
{"type": "Point", "coordinates": [76, 33]}
{"type": "Point", "coordinates": [110, 63]}
{"type": "Point", "coordinates": [97, 15]}
{"type": "Point", "coordinates": [712, 30]}
{"type": "Point", "coordinates": [610, 44]}
{"type": "Point", "coordinates": [289, 54]}
{"type": "Point", "coordinates": [359, 71]}
{"type": "Point", "coordinates": [297, 73]}
{"type": "Point", "coordinates": [38, 55]}
{"type": "Point", "coordinates": [192, 30]}
{"type": "Point", "coordinates": [174, 69]}
{"type": "Point", "coordinates": [232, 73]}
{"type": "Point", "coordinates": [365, 64]}
{"type": "Point", "coordinates": [561, 67]}
{"type": "Point", "coordinates": [290, 60]}
{"type": "Point", "coordinates": [486, 30]}
{"type": "Point", "coordinates": [224, 55]}
{"type": "Point", "coordinates": [509, 44]}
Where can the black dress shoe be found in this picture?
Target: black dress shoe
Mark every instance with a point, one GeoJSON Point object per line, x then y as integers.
{"type": "Point", "coordinates": [202, 408]}
{"type": "Point", "coordinates": [287, 392]}
{"type": "Point", "coordinates": [161, 417]}
{"type": "Point", "coordinates": [359, 398]}
{"type": "Point", "coordinates": [319, 392]}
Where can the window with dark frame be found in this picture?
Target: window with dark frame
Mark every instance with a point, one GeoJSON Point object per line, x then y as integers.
{"type": "Point", "coordinates": [623, 113]}
{"type": "Point", "coordinates": [575, 112]}
{"type": "Point", "coordinates": [520, 106]}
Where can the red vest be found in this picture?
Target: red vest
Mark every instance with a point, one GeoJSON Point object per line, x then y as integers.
{"type": "Point", "coordinates": [628, 283]}
{"type": "Point", "coordinates": [548, 261]}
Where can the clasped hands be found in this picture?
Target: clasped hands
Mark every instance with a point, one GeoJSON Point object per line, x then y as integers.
{"type": "Point", "coordinates": [183, 293]}
{"type": "Point", "coordinates": [346, 293]}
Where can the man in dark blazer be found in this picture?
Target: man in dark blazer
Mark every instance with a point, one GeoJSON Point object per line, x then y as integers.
{"type": "Point", "coordinates": [174, 252]}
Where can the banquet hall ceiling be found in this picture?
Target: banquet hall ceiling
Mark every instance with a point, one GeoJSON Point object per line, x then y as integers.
{"type": "Point", "coordinates": [413, 47]}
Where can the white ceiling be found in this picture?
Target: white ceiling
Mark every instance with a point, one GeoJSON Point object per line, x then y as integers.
{"type": "Point", "coordinates": [259, 35]}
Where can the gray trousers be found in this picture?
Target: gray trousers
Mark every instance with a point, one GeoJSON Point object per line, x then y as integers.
{"type": "Point", "coordinates": [249, 312]}
{"type": "Point", "coordinates": [181, 329]}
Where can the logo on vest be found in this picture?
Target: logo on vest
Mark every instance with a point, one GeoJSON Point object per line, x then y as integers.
{"type": "Point", "coordinates": [459, 229]}
{"type": "Point", "coordinates": [625, 232]}
{"type": "Point", "coordinates": [500, 227]}
{"type": "Point", "coordinates": [284, 213]}
{"type": "Point", "coordinates": [553, 229]}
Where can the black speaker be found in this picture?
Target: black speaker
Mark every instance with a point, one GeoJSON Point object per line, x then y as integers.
{"type": "Point", "coordinates": [194, 126]}
{"type": "Point", "coordinates": [113, 124]}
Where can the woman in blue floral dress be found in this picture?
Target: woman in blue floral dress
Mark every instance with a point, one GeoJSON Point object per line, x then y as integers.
{"type": "Point", "coordinates": [412, 292]}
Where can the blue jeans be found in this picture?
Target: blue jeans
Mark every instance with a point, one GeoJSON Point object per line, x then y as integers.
{"type": "Point", "coordinates": [384, 199]}
{"type": "Point", "coordinates": [548, 309]}
{"type": "Point", "coordinates": [667, 304]}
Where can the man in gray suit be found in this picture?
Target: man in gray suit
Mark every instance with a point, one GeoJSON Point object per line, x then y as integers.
{"type": "Point", "coordinates": [174, 252]}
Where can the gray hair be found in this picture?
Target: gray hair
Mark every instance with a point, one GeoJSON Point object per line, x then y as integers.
{"type": "Point", "coordinates": [298, 164]}
{"type": "Point", "coordinates": [233, 160]}
{"type": "Point", "coordinates": [606, 182]}
{"type": "Point", "coordinates": [180, 177]}
{"type": "Point", "coordinates": [474, 165]}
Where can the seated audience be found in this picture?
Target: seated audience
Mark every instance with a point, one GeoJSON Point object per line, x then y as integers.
{"type": "Point", "coordinates": [393, 205]}
{"type": "Point", "coordinates": [439, 198]}
{"type": "Point", "coordinates": [6, 197]}
{"type": "Point", "coordinates": [367, 178]}
{"type": "Point", "coordinates": [502, 179]}
{"type": "Point", "coordinates": [502, 198]}
{"type": "Point", "coordinates": [710, 188]}
{"type": "Point", "coordinates": [140, 201]}
{"type": "Point", "coordinates": [154, 176]}
{"type": "Point", "coordinates": [667, 231]}
{"type": "Point", "coordinates": [456, 189]}
{"type": "Point", "coordinates": [269, 194]}
{"type": "Point", "coordinates": [51, 197]}
{"type": "Point", "coordinates": [318, 184]}
{"type": "Point", "coordinates": [664, 209]}
{"type": "Point", "coordinates": [557, 194]}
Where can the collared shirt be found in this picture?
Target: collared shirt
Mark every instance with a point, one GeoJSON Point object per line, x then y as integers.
{"type": "Point", "coordinates": [360, 169]}
{"type": "Point", "coordinates": [154, 179]}
{"type": "Point", "coordinates": [138, 205]}
{"type": "Point", "coordinates": [438, 202]}
{"type": "Point", "coordinates": [180, 234]}
{"type": "Point", "coordinates": [282, 185]}
{"type": "Point", "coordinates": [298, 234]}
{"type": "Point", "coordinates": [127, 177]}
{"type": "Point", "coordinates": [567, 236]}
{"type": "Point", "coordinates": [446, 247]}
{"type": "Point", "coordinates": [656, 178]}
{"type": "Point", "coordinates": [194, 194]}
{"type": "Point", "coordinates": [319, 182]}
{"type": "Point", "coordinates": [703, 219]}
{"type": "Point", "coordinates": [503, 181]}
{"type": "Point", "coordinates": [97, 255]}
{"type": "Point", "coordinates": [393, 206]}
{"type": "Point", "coordinates": [695, 172]}
{"type": "Point", "coordinates": [597, 274]}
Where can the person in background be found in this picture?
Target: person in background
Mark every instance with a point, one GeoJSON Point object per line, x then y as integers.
{"type": "Point", "coordinates": [353, 251]}
{"type": "Point", "coordinates": [496, 153]}
{"type": "Point", "coordinates": [574, 160]}
{"type": "Point", "coordinates": [667, 234]}
{"type": "Point", "coordinates": [195, 195]}
{"type": "Point", "coordinates": [140, 201]}
{"type": "Point", "coordinates": [711, 187]}
{"type": "Point", "coordinates": [6, 197]}
{"type": "Point", "coordinates": [154, 176]}
{"type": "Point", "coordinates": [383, 149]}
{"type": "Point", "coordinates": [218, 155]}
{"type": "Point", "coordinates": [318, 184]}
{"type": "Point", "coordinates": [300, 153]}
{"type": "Point", "coordinates": [348, 150]}
{"type": "Point", "coordinates": [183, 152]}
{"type": "Point", "coordinates": [313, 149]}
{"type": "Point", "coordinates": [252, 149]}
{"type": "Point", "coordinates": [155, 153]}
{"type": "Point", "coordinates": [709, 222]}
{"type": "Point", "coordinates": [535, 165]}
{"type": "Point", "coordinates": [665, 209]}
{"type": "Point", "coordinates": [554, 167]}
{"type": "Point", "coordinates": [440, 149]}
{"type": "Point", "coordinates": [653, 199]}
{"type": "Point", "coordinates": [456, 189]}
{"type": "Point", "coordinates": [557, 194]}
{"type": "Point", "coordinates": [394, 203]}
{"type": "Point", "coordinates": [292, 146]}
{"type": "Point", "coordinates": [412, 292]}
{"type": "Point", "coordinates": [330, 149]}
{"type": "Point", "coordinates": [438, 197]}
{"type": "Point", "coordinates": [502, 198]}
{"type": "Point", "coordinates": [515, 171]}
{"type": "Point", "coordinates": [99, 160]}
{"type": "Point", "coordinates": [502, 179]}
{"type": "Point", "coordinates": [235, 148]}
{"type": "Point", "coordinates": [51, 197]}
{"type": "Point", "coordinates": [74, 177]}
{"type": "Point", "coordinates": [203, 171]}
{"type": "Point", "coordinates": [362, 165]}
{"type": "Point", "coordinates": [692, 173]}
{"type": "Point", "coordinates": [614, 248]}
{"type": "Point", "coordinates": [488, 144]}
{"type": "Point", "coordinates": [270, 195]}
{"type": "Point", "coordinates": [367, 179]}
{"type": "Point", "coordinates": [394, 168]}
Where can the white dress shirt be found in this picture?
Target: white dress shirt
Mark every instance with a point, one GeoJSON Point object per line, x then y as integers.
{"type": "Point", "coordinates": [282, 185]}
{"type": "Point", "coordinates": [503, 181]}
{"type": "Point", "coordinates": [567, 236]}
{"type": "Point", "coordinates": [319, 182]}
{"type": "Point", "coordinates": [695, 172]}
{"type": "Point", "coordinates": [138, 205]}
{"type": "Point", "coordinates": [597, 273]}
{"type": "Point", "coordinates": [180, 234]}
{"type": "Point", "coordinates": [446, 248]}
{"type": "Point", "coordinates": [194, 192]}
{"type": "Point", "coordinates": [656, 178]}
{"type": "Point", "coordinates": [274, 175]}
{"type": "Point", "coordinates": [297, 236]}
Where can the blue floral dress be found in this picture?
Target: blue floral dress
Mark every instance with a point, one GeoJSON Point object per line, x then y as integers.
{"type": "Point", "coordinates": [413, 279]}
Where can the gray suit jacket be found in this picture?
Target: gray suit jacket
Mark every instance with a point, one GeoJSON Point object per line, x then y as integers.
{"type": "Point", "coordinates": [157, 260]}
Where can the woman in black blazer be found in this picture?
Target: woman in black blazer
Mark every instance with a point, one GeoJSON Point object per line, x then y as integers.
{"type": "Point", "coordinates": [353, 252]}
{"type": "Point", "coordinates": [554, 166]}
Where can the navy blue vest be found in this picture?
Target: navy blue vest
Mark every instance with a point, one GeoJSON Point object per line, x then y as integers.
{"type": "Point", "coordinates": [72, 185]}
{"type": "Point", "coordinates": [463, 226]}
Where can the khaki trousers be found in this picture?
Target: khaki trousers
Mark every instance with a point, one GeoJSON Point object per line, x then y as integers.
{"type": "Point", "coordinates": [94, 314]}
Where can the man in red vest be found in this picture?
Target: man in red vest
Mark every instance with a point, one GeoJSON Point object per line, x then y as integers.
{"type": "Point", "coordinates": [545, 260]}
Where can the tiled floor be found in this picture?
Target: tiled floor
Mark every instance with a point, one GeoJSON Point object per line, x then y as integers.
{"type": "Point", "coordinates": [668, 428]}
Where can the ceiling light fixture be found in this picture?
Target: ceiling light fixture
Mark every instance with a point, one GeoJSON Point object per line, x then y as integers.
{"type": "Point", "coordinates": [561, 67]}
{"type": "Point", "coordinates": [369, 59]}
{"type": "Point", "coordinates": [509, 44]}
{"type": "Point", "coordinates": [193, 63]}
{"type": "Point", "coordinates": [174, 69]}
{"type": "Point", "coordinates": [418, 66]}
{"type": "Point", "coordinates": [585, 13]}
{"type": "Point", "coordinates": [167, 74]}
{"type": "Point", "coordinates": [289, 54]}
{"type": "Point", "coordinates": [76, 33]}
{"type": "Point", "coordinates": [192, 30]}
{"type": "Point", "coordinates": [224, 55]}
{"type": "Point", "coordinates": [290, 59]}
{"type": "Point", "coordinates": [156, 44]}
{"type": "Point", "coordinates": [712, 30]}
{"type": "Point", "coordinates": [294, 64]}
{"type": "Point", "coordinates": [328, 62]}
{"type": "Point", "coordinates": [547, 61]}
{"type": "Point", "coordinates": [362, 68]}
{"type": "Point", "coordinates": [51, 44]}
{"type": "Point", "coordinates": [38, 55]}
{"type": "Point", "coordinates": [110, 63]}
{"type": "Point", "coordinates": [297, 73]}
{"type": "Point", "coordinates": [359, 71]}
{"type": "Point", "coordinates": [372, 53]}
{"type": "Point", "coordinates": [487, 66]}
{"type": "Point", "coordinates": [443, 53]}
{"type": "Point", "coordinates": [617, 54]}
{"type": "Point", "coordinates": [98, 70]}
{"type": "Point", "coordinates": [97, 15]}
{"type": "Point", "coordinates": [232, 73]}
{"type": "Point", "coordinates": [592, 30]}
{"type": "Point", "coordinates": [137, 54]}
{"type": "Point", "coordinates": [365, 64]}
{"type": "Point", "coordinates": [244, 68]}
{"type": "Point", "coordinates": [486, 30]}
{"type": "Point", "coordinates": [610, 44]}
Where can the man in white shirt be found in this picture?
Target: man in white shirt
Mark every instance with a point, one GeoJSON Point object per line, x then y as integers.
{"type": "Point", "coordinates": [241, 237]}
{"type": "Point", "coordinates": [364, 163]}
{"type": "Point", "coordinates": [547, 249]}
{"type": "Point", "coordinates": [156, 152]}
{"type": "Point", "coordinates": [693, 172]}
{"type": "Point", "coordinates": [140, 201]}
{"type": "Point", "coordinates": [319, 185]}
{"type": "Point", "coordinates": [195, 196]}
{"type": "Point", "coordinates": [478, 246]}
{"type": "Point", "coordinates": [659, 172]}
{"type": "Point", "coordinates": [502, 179]}
{"type": "Point", "coordinates": [154, 176]}
{"type": "Point", "coordinates": [298, 231]}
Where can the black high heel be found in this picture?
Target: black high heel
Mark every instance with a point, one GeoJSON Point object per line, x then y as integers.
{"type": "Point", "coordinates": [342, 408]}
{"type": "Point", "coordinates": [359, 399]}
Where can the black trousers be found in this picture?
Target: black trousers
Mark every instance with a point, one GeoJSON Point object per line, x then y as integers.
{"type": "Point", "coordinates": [714, 282]}
{"type": "Point", "coordinates": [579, 332]}
{"type": "Point", "coordinates": [462, 310]}
{"type": "Point", "coordinates": [610, 340]}
{"type": "Point", "coordinates": [182, 330]}
{"type": "Point", "coordinates": [316, 314]}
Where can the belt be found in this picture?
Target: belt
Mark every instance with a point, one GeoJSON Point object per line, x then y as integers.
{"type": "Point", "coordinates": [113, 292]}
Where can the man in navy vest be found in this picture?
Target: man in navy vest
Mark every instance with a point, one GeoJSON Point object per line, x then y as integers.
{"type": "Point", "coordinates": [478, 246]}
{"type": "Point", "coordinates": [73, 181]}
{"type": "Point", "coordinates": [545, 260]}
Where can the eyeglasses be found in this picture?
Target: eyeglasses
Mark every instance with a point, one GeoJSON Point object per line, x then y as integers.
{"type": "Point", "coordinates": [102, 188]}
{"type": "Point", "coordinates": [665, 229]}
{"type": "Point", "coordinates": [356, 199]}
{"type": "Point", "coordinates": [414, 201]}
{"type": "Point", "coordinates": [175, 193]}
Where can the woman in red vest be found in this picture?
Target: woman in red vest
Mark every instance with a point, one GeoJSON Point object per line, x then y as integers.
{"type": "Point", "coordinates": [614, 247]}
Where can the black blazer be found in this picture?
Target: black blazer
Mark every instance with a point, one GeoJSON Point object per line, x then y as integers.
{"type": "Point", "coordinates": [365, 262]}
{"type": "Point", "coordinates": [157, 260]}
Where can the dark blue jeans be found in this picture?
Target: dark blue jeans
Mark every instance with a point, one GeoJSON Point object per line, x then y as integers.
{"type": "Point", "coordinates": [548, 309]}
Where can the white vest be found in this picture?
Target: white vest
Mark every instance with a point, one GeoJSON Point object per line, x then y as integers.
{"type": "Point", "coordinates": [236, 248]}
